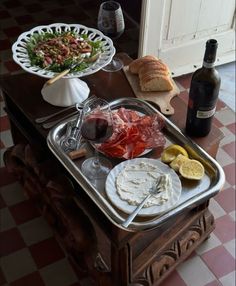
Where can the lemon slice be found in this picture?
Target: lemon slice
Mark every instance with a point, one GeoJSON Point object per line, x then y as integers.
{"type": "Point", "coordinates": [178, 161]}
{"type": "Point", "coordinates": [192, 169]}
{"type": "Point", "coordinates": [171, 152]}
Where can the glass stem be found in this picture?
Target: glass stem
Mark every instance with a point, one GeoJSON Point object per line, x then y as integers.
{"type": "Point", "coordinates": [96, 161]}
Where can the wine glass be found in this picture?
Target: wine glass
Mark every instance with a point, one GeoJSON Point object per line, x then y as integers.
{"type": "Point", "coordinates": [111, 23]}
{"type": "Point", "coordinates": [97, 127]}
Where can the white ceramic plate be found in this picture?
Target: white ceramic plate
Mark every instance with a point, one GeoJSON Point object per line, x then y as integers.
{"type": "Point", "coordinates": [21, 57]}
{"type": "Point", "coordinates": [112, 194]}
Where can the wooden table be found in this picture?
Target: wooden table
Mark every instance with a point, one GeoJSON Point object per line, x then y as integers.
{"type": "Point", "coordinates": [109, 254]}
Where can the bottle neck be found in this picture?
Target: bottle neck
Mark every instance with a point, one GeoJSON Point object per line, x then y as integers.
{"type": "Point", "coordinates": [210, 53]}
{"type": "Point", "coordinates": [208, 65]}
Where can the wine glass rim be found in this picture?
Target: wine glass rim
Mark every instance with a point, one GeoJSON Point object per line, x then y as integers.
{"type": "Point", "coordinates": [104, 103]}
{"type": "Point", "coordinates": [109, 2]}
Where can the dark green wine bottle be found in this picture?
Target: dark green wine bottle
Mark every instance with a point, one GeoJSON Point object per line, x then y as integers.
{"type": "Point", "coordinates": [203, 94]}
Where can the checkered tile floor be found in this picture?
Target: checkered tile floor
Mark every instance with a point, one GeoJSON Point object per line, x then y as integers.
{"type": "Point", "coordinates": [30, 254]}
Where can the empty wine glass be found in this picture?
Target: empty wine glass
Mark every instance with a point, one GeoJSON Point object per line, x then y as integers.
{"type": "Point", "coordinates": [111, 23]}
{"type": "Point", "coordinates": [97, 127]}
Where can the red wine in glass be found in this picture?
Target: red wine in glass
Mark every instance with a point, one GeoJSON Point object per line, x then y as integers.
{"type": "Point", "coordinates": [97, 127]}
{"type": "Point", "coordinates": [96, 130]}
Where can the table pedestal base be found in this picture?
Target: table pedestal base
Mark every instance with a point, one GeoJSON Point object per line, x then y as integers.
{"type": "Point", "coordinates": [65, 92]}
{"type": "Point", "coordinates": [109, 255]}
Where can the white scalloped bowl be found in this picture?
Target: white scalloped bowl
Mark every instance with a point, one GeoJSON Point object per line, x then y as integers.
{"type": "Point", "coordinates": [69, 89]}
{"type": "Point", "coordinates": [21, 57]}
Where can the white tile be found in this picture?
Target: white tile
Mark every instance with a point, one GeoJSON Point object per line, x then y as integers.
{"type": "Point", "coordinates": [216, 209]}
{"type": "Point", "coordinates": [2, 111]}
{"type": "Point", "coordinates": [2, 164]}
{"type": "Point", "coordinates": [6, 220]}
{"type": "Point", "coordinates": [194, 272]}
{"type": "Point", "coordinates": [228, 68]}
{"type": "Point", "coordinates": [228, 136]}
{"type": "Point", "coordinates": [12, 194]}
{"type": "Point", "coordinates": [228, 280]}
{"type": "Point", "coordinates": [59, 273]}
{"type": "Point", "coordinates": [181, 88]}
{"type": "Point", "coordinates": [35, 231]}
{"type": "Point", "coordinates": [233, 215]}
{"type": "Point", "coordinates": [17, 264]}
{"type": "Point", "coordinates": [223, 158]}
{"type": "Point", "coordinates": [6, 138]}
{"type": "Point", "coordinates": [208, 244]}
{"type": "Point", "coordinates": [228, 98]}
{"type": "Point", "coordinates": [225, 116]}
{"type": "Point", "coordinates": [230, 246]}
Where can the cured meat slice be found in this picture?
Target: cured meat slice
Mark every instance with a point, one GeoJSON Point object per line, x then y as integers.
{"type": "Point", "coordinates": [133, 133]}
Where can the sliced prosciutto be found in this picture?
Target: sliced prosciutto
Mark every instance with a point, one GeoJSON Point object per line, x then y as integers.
{"type": "Point", "coordinates": [133, 133]}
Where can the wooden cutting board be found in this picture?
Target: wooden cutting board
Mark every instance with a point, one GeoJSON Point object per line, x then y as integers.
{"type": "Point", "coordinates": [161, 98]}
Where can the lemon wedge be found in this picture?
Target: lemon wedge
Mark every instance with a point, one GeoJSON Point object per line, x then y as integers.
{"type": "Point", "coordinates": [192, 169]}
{"type": "Point", "coordinates": [178, 161]}
{"type": "Point", "coordinates": [171, 152]}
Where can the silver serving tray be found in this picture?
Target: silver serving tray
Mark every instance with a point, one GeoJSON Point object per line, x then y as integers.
{"type": "Point", "coordinates": [193, 192]}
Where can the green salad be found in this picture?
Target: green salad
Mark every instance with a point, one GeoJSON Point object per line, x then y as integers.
{"type": "Point", "coordinates": [60, 51]}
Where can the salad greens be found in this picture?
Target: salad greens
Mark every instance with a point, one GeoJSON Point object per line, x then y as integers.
{"type": "Point", "coordinates": [60, 51]}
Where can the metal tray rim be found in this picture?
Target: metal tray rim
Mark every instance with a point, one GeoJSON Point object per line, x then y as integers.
{"type": "Point", "coordinates": [104, 205]}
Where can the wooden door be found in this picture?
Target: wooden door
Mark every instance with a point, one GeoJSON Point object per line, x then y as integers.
{"type": "Point", "coordinates": [176, 31]}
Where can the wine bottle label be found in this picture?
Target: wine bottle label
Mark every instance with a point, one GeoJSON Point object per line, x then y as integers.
{"type": "Point", "coordinates": [205, 113]}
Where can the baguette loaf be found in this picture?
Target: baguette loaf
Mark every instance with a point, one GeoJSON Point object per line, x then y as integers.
{"type": "Point", "coordinates": [153, 74]}
{"type": "Point", "coordinates": [136, 64]}
{"type": "Point", "coordinates": [156, 83]}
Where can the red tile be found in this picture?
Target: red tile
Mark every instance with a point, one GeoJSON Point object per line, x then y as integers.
{"type": "Point", "coordinates": [230, 149]}
{"type": "Point", "coordinates": [232, 127]}
{"type": "Point", "coordinates": [13, 31]}
{"type": "Point", "coordinates": [2, 278]}
{"type": "Point", "coordinates": [173, 279]}
{"type": "Point", "coordinates": [184, 80]}
{"type": "Point", "coordinates": [5, 45]}
{"type": "Point", "coordinates": [46, 252]}
{"type": "Point", "coordinates": [24, 211]}
{"type": "Point", "coordinates": [12, 66]}
{"type": "Point", "coordinates": [184, 96]}
{"type": "Point", "coordinates": [225, 228]}
{"type": "Point", "coordinates": [6, 177]}
{"type": "Point", "coordinates": [220, 105]}
{"type": "Point", "coordinates": [4, 14]}
{"type": "Point", "coordinates": [230, 173]}
{"type": "Point", "coordinates": [4, 123]}
{"type": "Point", "coordinates": [33, 8]}
{"type": "Point", "coordinates": [226, 199]}
{"type": "Point", "coordinates": [217, 123]}
{"type": "Point", "coordinates": [10, 241]}
{"type": "Point", "coordinates": [219, 261]}
{"type": "Point", "coordinates": [25, 19]}
{"type": "Point", "coordinates": [2, 203]}
{"type": "Point", "coordinates": [29, 280]}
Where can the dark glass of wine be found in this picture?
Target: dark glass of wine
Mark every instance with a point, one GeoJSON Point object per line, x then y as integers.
{"type": "Point", "coordinates": [97, 127]}
{"type": "Point", "coordinates": [111, 23]}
